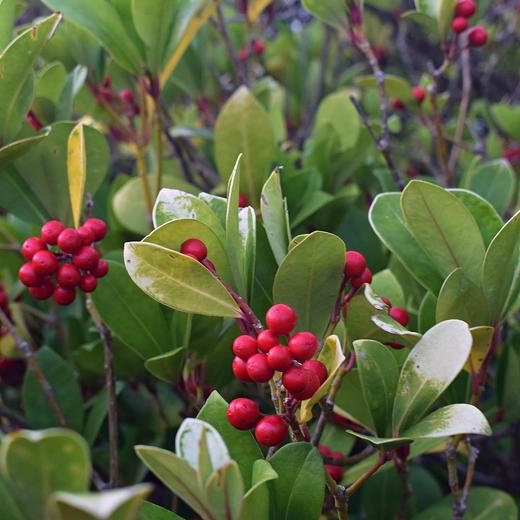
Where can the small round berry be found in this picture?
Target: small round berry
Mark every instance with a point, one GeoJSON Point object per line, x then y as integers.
{"type": "Point", "coordinates": [266, 340]}
{"type": "Point", "coordinates": [336, 455]}
{"type": "Point", "coordinates": [459, 24]}
{"type": "Point", "coordinates": [242, 201]}
{"type": "Point", "coordinates": [69, 241]}
{"type": "Point", "coordinates": [12, 371]}
{"type": "Point", "coordinates": [324, 450]}
{"type": "Point", "coordinates": [101, 269]}
{"type": "Point", "coordinates": [243, 413]}
{"type": "Point", "coordinates": [386, 301]}
{"type": "Point", "coordinates": [258, 368]}
{"type": "Point", "coordinates": [240, 370]}
{"type": "Point", "coordinates": [51, 230]}
{"type": "Point", "coordinates": [28, 275]}
{"type": "Point", "coordinates": [86, 258]}
{"type": "Point", "coordinates": [196, 248]}
{"type": "Point", "coordinates": [243, 55]}
{"type": "Point", "coordinates": [303, 346]}
{"type": "Point", "coordinates": [42, 292]}
{"type": "Point", "coordinates": [3, 299]}
{"type": "Point", "coordinates": [88, 283]}
{"type": "Point", "coordinates": [478, 36]}
{"type": "Point", "coordinates": [258, 47]}
{"type": "Point", "coordinates": [366, 277]}
{"type": "Point", "coordinates": [336, 472]}
{"type": "Point", "coordinates": [296, 379]}
{"type": "Point", "coordinates": [312, 386]}
{"type": "Point", "coordinates": [398, 104]}
{"type": "Point", "coordinates": [281, 319]}
{"type": "Point", "coordinates": [280, 358]}
{"type": "Point", "coordinates": [68, 276]}
{"type": "Point", "coordinates": [126, 96]}
{"type": "Point", "coordinates": [465, 8]}
{"type": "Point", "coordinates": [400, 315]}
{"type": "Point", "coordinates": [244, 347]}
{"type": "Point", "coordinates": [98, 226]}
{"type": "Point", "coordinates": [86, 234]}
{"type": "Point", "coordinates": [419, 94]}
{"type": "Point", "coordinates": [318, 368]}
{"type": "Point", "coordinates": [395, 346]}
{"type": "Point", "coordinates": [31, 246]}
{"type": "Point", "coordinates": [355, 264]}
{"type": "Point", "coordinates": [45, 262]}
{"type": "Point", "coordinates": [64, 296]}
{"type": "Point", "coordinates": [270, 430]}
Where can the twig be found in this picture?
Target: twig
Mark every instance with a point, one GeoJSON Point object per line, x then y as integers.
{"type": "Point", "coordinates": [12, 416]}
{"type": "Point", "coordinates": [143, 175]}
{"type": "Point", "coordinates": [381, 459]}
{"type": "Point", "coordinates": [453, 478]}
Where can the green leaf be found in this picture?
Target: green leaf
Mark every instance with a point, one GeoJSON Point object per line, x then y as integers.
{"type": "Point", "coordinates": [9, 508]}
{"type": "Point", "coordinates": [178, 281]}
{"type": "Point", "coordinates": [133, 317]}
{"type": "Point", "coordinates": [243, 126]}
{"type": "Point", "coordinates": [459, 298]}
{"type": "Point", "coordinates": [101, 19]}
{"type": "Point", "coordinates": [500, 266]}
{"type": "Point", "coordinates": [8, 10]}
{"type": "Point", "coordinates": [151, 511]}
{"type": "Point", "coordinates": [116, 504]}
{"type": "Point", "coordinates": [388, 487]}
{"type": "Point", "coordinates": [482, 338]}
{"type": "Point", "coordinates": [386, 218]}
{"type": "Point", "coordinates": [441, 10]}
{"type": "Point", "coordinates": [66, 391]}
{"type": "Point", "coordinates": [39, 463]}
{"type": "Point", "coordinates": [386, 284]}
{"type": "Point", "coordinates": [256, 500]}
{"type": "Point", "coordinates": [395, 86]}
{"type": "Point", "coordinates": [13, 150]}
{"type": "Point", "coordinates": [508, 117]}
{"type": "Point", "coordinates": [241, 444]}
{"type": "Point", "coordinates": [274, 216]}
{"type": "Point", "coordinates": [77, 171]}
{"type": "Point", "coordinates": [309, 279]}
{"type": "Point", "coordinates": [17, 62]}
{"type": "Point", "coordinates": [378, 373]}
{"type": "Point", "coordinates": [225, 492]}
{"type": "Point", "coordinates": [427, 312]}
{"type": "Point", "coordinates": [332, 12]}
{"type": "Point", "coordinates": [435, 218]}
{"type": "Point", "coordinates": [167, 367]}
{"type": "Point", "coordinates": [299, 494]}
{"type": "Point", "coordinates": [429, 369]}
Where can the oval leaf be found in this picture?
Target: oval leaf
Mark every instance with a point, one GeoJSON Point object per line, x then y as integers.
{"type": "Point", "coordinates": [76, 171]}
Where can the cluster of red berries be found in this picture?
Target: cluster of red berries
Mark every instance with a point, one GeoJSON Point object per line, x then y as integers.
{"type": "Point", "coordinates": [257, 47]}
{"type": "Point", "coordinates": [356, 269]}
{"type": "Point", "coordinates": [417, 92]}
{"type": "Point", "coordinates": [334, 470]}
{"type": "Point", "coordinates": [80, 264]}
{"type": "Point", "coordinates": [464, 10]}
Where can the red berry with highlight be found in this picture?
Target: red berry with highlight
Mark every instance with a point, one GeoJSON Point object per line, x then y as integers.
{"type": "Point", "coordinates": [242, 201]}
{"type": "Point", "coordinates": [267, 340]}
{"type": "Point", "coordinates": [240, 370]}
{"type": "Point", "coordinates": [296, 379]}
{"type": "Point", "coordinates": [101, 269]}
{"type": "Point", "coordinates": [86, 258]}
{"type": "Point", "coordinates": [244, 347]}
{"type": "Point", "coordinates": [459, 24]}
{"type": "Point", "coordinates": [366, 277]}
{"type": "Point", "coordinates": [324, 450]}
{"type": "Point", "coordinates": [127, 96]}
{"type": "Point", "coordinates": [243, 413]}
{"type": "Point", "coordinates": [355, 264]}
{"type": "Point", "coordinates": [31, 246]}
{"type": "Point", "coordinates": [98, 227]}
{"type": "Point", "coordinates": [68, 276]}
{"type": "Point", "coordinates": [280, 358]}
{"type": "Point", "coordinates": [42, 292]}
{"type": "Point", "coordinates": [258, 47]}
{"type": "Point", "coordinates": [28, 275]}
{"type": "Point", "coordinates": [69, 241]}
{"type": "Point", "coordinates": [45, 262]}
{"type": "Point", "coordinates": [386, 301]}
{"type": "Point", "coordinates": [258, 368]}
{"type": "Point", "coordinates": [270, 430]}
{"type": "Point", "coordinates": [478, 36]}
{"type": "Point", "coordinates": [310, 389]}
{"type": "Point", "coordinates": [86, 234]}
{"type": "Point", "coordinates": [196, 248]}
{"type": "Point", "coordinates": [419, 94]}
{"type": "Point", "coordinates": [336, 472]}
{"type": "Point", "coordinates": [465, 8]}
{"type": "Point", "coordinates": [398, 104]}
{"type": "Point", "coordinates": [64, 296]}
{"type": "Point", "coordinates": [395, 346]}
{"type": "Point", "coordinates": [318, 368]}
{"type": "Point", "coordinates": [88, 283]}
{"type": "Point", "coordinates": [281, 319]}
{"type": "Point", "coordinates": [400, 315]}
{"type": "Point", "coordinates": [51, 230]}
{"type": "Point", "coordinates": [303, 345]}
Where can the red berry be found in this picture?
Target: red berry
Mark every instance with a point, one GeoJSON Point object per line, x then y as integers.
{"type": "Point", "coordinates": [244, 347]}
{"type": "Point", "coordinates": [478, 36]}
{"type": "Point", "coordinates": [258, 368]}
{"type": "Point", "coordinates": [69, 241]}
{"type": "Point", "coordinates": [318, 368]}
{"type": "Point", "coordinates": [240, 370]}
{"type": "Point", "coordinates": [400, 315]}
{"type": "Point", "coordinates": [280, 358]}
{"type": "Point", "coordinates": [267, 340]}
{"type": "Point", "coordinates": [28, 275]}
{"type": "Point", "coordinates": [127, 96]}
{"type": "Point", "coordinates": [303, 346]}
{"type": "Point", "coordinates": [336, 455]}
{"type": "Point", "coordinates": [386, 301]}
{"type": "Point", "coordinates": [258, 47]}
{"type": "Point", "coordinates": [88, 283]}
{"type": "Point", "coordinates": [195, 248]}
{"type": "Point", "coordinates": [86, 258]}
{"type": "Point", "coordinates": [243, 55]}
{"type": "Point", "coordinates": [101, 269]}
{"type": "Point", "coordinates": [419, 94]}
{"type": "Point", "coordinates": [324, 450]}
{"type": "Point", "coordinates": [281, 319]}
{"type": "Point", "coordinates": [3, 299]}
{"type": "Point", "coordinates": [68, 276]}
{"type": "Point", "coordinates": [31, 246]}
{"type": "Point", "coordinates": [51, 230]}
{"type": "Point", "coordinates": [336, 472]}
{"type": "Point", "coordinates": [98, 226]}
{"type": "Point", "coordinates": [312, 386]}
{"type": "Point", "coordinates": [64, 296]}
{"type": "Point", "coordinates": [107, 81]}
{"type": "Point", "coordinates": [465, 8]}
{"type": "Point", "coordinates": [366, 277]}
{"type": "Point", "coordinates": [395, 346]}
{"type": "Point", "coordinates": [243, 413]}
{"type": "Point", "coordinates": [242, 201]}
{"type": "Point", "coordinates": [11, 371]}
{"type": "Point", "coordinates": [296, 379]}
{"type": "Point", "coordinates": [86, 234]}
{"type": "Point", "coordinates": [355, 264]}
{"type": "Point", "coordinates": [459, 24]}
{"type": "Point", "coordinates": [398, 104]}
{"type": "Point", "coordinates": [270, 430]}
{"type": "Point", "coordinates": [45, 262]}
{"type": "Point", "coordinates": [42, 292]}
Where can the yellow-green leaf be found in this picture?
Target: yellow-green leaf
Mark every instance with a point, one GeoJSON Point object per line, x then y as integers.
{"type": "Point", "coordinates": [255, 8]}
{"type": "Point", "coordinates": [76, 170]}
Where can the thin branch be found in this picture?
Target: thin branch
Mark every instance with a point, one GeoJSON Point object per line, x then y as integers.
{"type": "Point", "coordinates": [13, 416]}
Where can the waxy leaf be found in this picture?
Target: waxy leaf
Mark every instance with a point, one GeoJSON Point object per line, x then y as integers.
{"type": "Point", "coordinates": [151, 511]}
{"type": "Point", "coordinates": [309, 279]}
{"type": "Point", "coordinates": [77, 171]}
{"type": "Point", "coordinates": [177, 280]}
{"type": "Point", "coordinates": [430, 367]}
{"type": "Point", "coordinates": [482, 338]}
{"type": "Point", "coordinates": [386, 284]}
{"type": "Point", "coordinates": [9, 508]}
{"type": "Point", "coordinates": [255, 8]}
{"type": "Point", "coordinates": [225, 492]}
{"type": "Point", "coordinates": [395, 87]}
{"type": "Point", "coordinates": [13, 150]}
{"type": "Point", "coordinates": [8, 12]}
{"type": "Point", "coordinates": [436, 218]}
{"type": "Point", "coordinates": [167, 367]}
{"type": "Point", "coordinates": [256, 500]}
{"type": "Point", "coordinates": [332, 12]}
